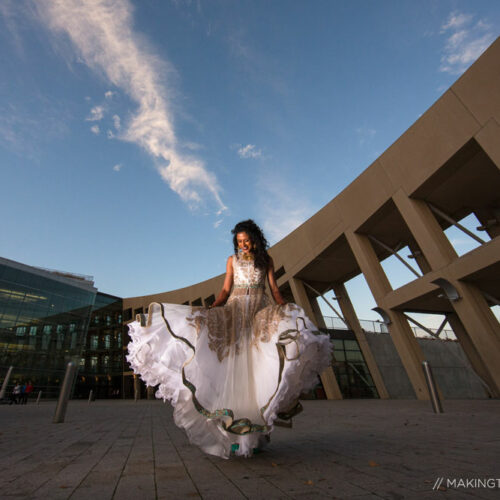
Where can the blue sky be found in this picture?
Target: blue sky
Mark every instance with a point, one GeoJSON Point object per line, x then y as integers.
{"type": "Point", "coordinates": [134, 135]}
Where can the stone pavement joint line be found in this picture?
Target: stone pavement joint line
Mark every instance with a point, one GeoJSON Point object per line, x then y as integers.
{"type": "Point", "coordinates": [393, 449]}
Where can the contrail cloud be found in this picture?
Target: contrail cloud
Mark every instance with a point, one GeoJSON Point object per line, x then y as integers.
{"type": "Point", "coordinates": [102, 34]}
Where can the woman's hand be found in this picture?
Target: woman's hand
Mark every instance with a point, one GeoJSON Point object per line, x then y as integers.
{"type": "Point", "coordinates": [226, 288]}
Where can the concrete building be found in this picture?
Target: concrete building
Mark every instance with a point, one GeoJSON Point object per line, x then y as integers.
{"type": "Point", "coordinates": [443, 168]}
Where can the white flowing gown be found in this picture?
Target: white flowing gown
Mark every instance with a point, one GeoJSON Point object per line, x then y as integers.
{"type": "Point", "coordinates": [229, 371]}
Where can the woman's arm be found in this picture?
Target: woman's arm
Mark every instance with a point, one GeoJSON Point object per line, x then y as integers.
{"type": "Point", "coordinates": [228, 283]}
{"type": "Point", "coordinates": [273, 285]}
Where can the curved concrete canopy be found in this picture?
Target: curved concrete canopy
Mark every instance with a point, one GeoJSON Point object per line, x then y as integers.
{"type": "Point", "coordinates": [449, 158]}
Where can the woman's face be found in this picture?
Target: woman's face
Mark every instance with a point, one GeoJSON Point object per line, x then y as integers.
{"type": "Point", "coordinates": [244, 243]}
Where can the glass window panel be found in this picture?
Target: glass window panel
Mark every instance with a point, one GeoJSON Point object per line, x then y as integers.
{"type": "Point", "coordinates": [338, 344]}
{"type": "Point", "coordinates": [351, 345]}
{"type": "Point", "coordinates": [339, 355]}
{"type": "Point", "coordinates": [20, 331]}
{"type": "Point", "coordinates": [354, 356]}
{"type": "Point", "coordinates": [45, 342]}
{"type": "Point", "coordinates": [74, 337]}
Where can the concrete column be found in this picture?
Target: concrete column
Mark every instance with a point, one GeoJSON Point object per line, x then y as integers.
{"type": "Point", "coordinates": [349, 314]}
{"type": "Point", "coordinates": [332, 389]}
{"type": "Point", "coordinates": [470, 351]}
{"type": "Point", "coordinates": [301, 298]}
{"type": "Point", "coordinates": [369, 265]}
{"type": "Point", "coordinates": [402, 335]}
{"type": "Point", "coordinates": [482, 328]}
{"type": "Point", "coordinates": [318, 315]}
{"type": "Point", "coordinates": [427, 232]}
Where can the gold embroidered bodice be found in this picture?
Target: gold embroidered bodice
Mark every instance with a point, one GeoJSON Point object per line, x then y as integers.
{"type": "Point", "coordinates": [246, 275]}
{"type": "Point", "coordinates": [247, 318]}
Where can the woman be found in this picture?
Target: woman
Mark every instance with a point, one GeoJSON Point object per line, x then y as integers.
{"type": "Point", "coordinates": [233, 369]}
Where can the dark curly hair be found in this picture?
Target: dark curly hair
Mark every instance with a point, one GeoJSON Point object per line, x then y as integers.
{"type": "Point", "coordinates": [259, 242]}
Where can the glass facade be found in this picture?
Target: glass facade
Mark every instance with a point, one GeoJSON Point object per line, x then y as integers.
{"type": "Point", "coordinates": [101, 362]}
{"type": "Point", "coordinates": [350, 368]}
{"type": "Point", "coordinates": [44, 317]}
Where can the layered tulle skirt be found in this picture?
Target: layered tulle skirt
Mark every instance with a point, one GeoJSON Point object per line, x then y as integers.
{"type": "Point", "coordinates": [230, 372]}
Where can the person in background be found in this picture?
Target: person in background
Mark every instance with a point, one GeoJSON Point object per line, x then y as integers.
{"type": "Point", "coordinates": [16, 392]}
{"type": "Point", "coordinates": [28, 389]}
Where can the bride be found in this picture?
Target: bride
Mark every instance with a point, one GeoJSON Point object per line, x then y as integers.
{"type": "Point", "coordinates": [234, 369]}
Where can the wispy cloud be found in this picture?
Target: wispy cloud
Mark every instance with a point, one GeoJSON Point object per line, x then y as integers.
{"type": "Point", "coordinates": [466, 40]}
{"type": "Point", "coordinates": [103, 35]}
{"type": "Point", "coordinates": [282, 207]}
{"type": "Point", "coordinates": [95, 129]}
{"type": "Point", "coordinates": [249, 151]}
{"type": "Point", "coordinates": [24, 130]}
{"type": "Point", "coordinates": [109, 94]}
{"type": "Point", "coordinates": [13, 18]}
{"type": "Point", "coordinates": [193, 146]}
{"type": "Point", "coordinates": [456, 20]}
{"type": "Point", "coordinates": [96, 114]}
{"type": "Point", "coordinates": [117, 167]}
{"type": "Point", "coordinates": [365, 134]}
{"type": "Point", "coordinates": [14, 128]}
{"type": "Point", "coordinates": [117, 122]}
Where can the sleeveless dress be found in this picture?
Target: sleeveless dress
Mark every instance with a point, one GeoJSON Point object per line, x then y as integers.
{"type": "Point", "coordinates": [230, 372]}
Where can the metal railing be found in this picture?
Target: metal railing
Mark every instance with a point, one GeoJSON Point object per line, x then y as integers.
{"type": "Point", "coordinates": [379, 327]}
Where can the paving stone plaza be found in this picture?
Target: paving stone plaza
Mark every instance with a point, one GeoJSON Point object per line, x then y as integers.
{"type": "Point", "coordinates": [391, 449]}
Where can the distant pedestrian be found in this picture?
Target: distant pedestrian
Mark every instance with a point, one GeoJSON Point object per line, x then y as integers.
{"type": "Point", "coordinates": [16, 393]}
{"type": "Point", "coordinates": [28, 389]}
